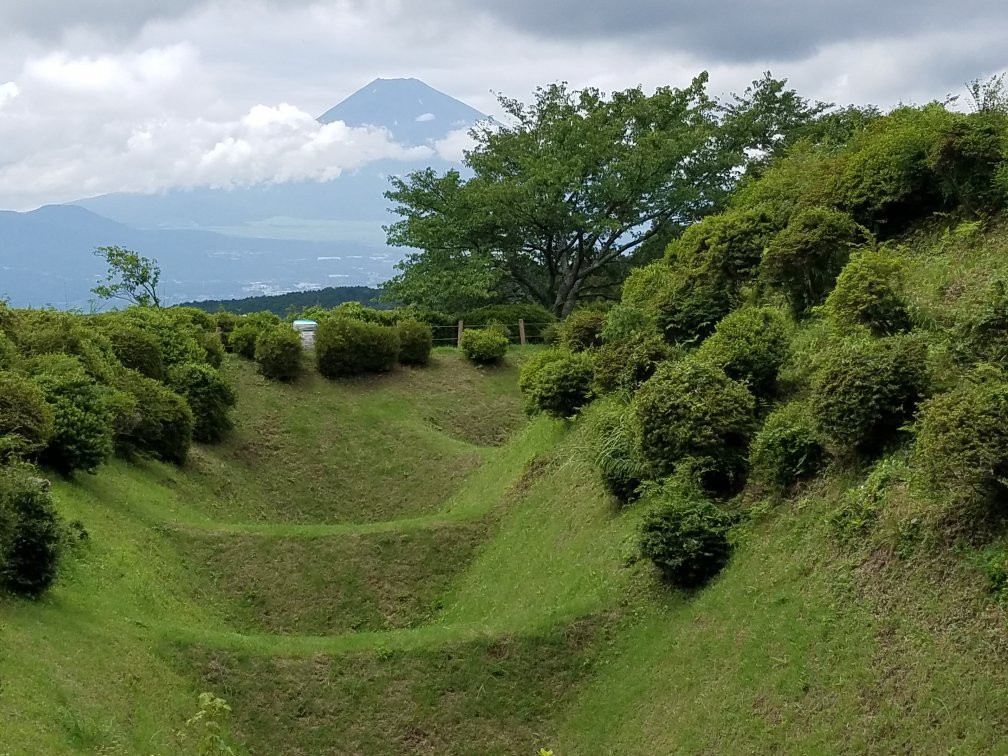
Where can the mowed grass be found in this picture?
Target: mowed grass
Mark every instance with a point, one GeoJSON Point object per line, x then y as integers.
{"type": "Point", "coordinates": [329, 584]}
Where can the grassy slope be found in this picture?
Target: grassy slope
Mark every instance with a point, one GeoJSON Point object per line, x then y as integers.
{"type": "Point", "coordinates": [543, 633]}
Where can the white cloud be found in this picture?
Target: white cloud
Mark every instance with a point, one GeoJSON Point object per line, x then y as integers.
{"type": "Point", "coordinates": [424, 117]}
{"type": "Point", "coordinates": [8, 92]}
{"type": "Point", "coordinates": [453, 146]}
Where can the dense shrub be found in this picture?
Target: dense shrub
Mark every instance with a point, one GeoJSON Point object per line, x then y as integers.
{"type": "Point", "coordinates": [731, 243]}
{"type": "Point", "coordinates": [213, 349]}
{"type": "Point", "coordinates": [278, 353]}
{"type": "Point", "coordinates": [226, 323]}
{"type": "Point", "coordinates": [135, 348]}
{"type": "Point", "coordinates": [750, 345]}
{"type": "Point", "coordinates": [416, 340]}
{"type": "Point", "coordinates": [483, 346]}
{"type": "Point", "coordinates": [582, 330]}
{"type": "Point", "coordinates": [644, 287]}
{"type": "Point", "coordinates": [787, 448]}
{"type": "Point", "coordinates": [192, 317]}
{"type": "Point", "coordinates": [692, 304]}
{"type": "Point", "coordinates": [530, 369]}
{"type": "Point", "coordinates": [625, 322]}
{"type": "Point", "coordinates": [551, 334]}
{"type": "Point", "coordinates": [180, 340]}
{"type": "Point", "coordinates": [686, 537]}
{"type": "Point", "coordinates": [536, 318]}
{"type": "Point", "coordinates": [869, 292]}
{"type": "Point", "coordinates": [47, 332]}
{"type": "Point", "coordinates": [625, 364]}
{"type": "Point", "coordinates": [865, 389]}
{"type": "Point", "coordinates": [560, 386]}
{"type": "Point", "coordinates": [164, 422]}
{"type": "Point", "coordinates": [31, 534]}
{"type": "Point", "coordinates": [345, 347]}
{"type": "Point", "coordinates": [10, 358]}
{"type": "Point", "coordinates": [209, 397]}
{"type": "Point", "coordinates": [804, 260]}
{"type": "Point", "coordinates": [691, 411]}
{"type": "Point", "coordinates": [26, 421]}
{"type": "Point", "coordinates": [612, 434]}
{"type": "Point", "coordinates": [82, 420]}
{"type": "Point", "coordinates": [982, 333]}
{"type": "Point", "coordinates": [962, 438]}
{"type": "Point", "coordinates": [966, 158]}
{"type": "Point", "coordinates": [243, 340]}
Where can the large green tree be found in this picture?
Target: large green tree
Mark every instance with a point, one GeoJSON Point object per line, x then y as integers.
{"type": "Point", "coordinates": [560, 197]}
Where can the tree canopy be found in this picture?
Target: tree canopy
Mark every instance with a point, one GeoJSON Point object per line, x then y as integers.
{"type": "Point", "coordinates": [131, 277]}
{"type": "Point", "coordinates": [577, 182]}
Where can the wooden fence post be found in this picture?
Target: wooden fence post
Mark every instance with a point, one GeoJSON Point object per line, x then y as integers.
{"type": "Point", "coordinates": [521, 332]}
{"type": "Point", "coordinates": [458, 339]}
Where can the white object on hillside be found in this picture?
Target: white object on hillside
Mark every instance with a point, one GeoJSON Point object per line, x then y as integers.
{"type": "Point", "coordinates": [307, 330]}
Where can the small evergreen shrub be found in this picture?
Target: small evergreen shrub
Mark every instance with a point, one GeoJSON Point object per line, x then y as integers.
{"type": "Point", "coordinates": [962, 438]}
{"type": "Point", "coordinates": [644, 287]}
{"type": "Point", "coordinates": [135, 348]}
{"type": "Point", "coordinates": [861, 505]}
{"type": "Point", "coordinates": [731, 242]}
{"type": "Point", "coordinates": [484, 347]}
{"type": "Point", "coordinates": [226, 323]}
{"type": "Point", "coordinates": [686, 537]}
{"type": "Point", "coordinates": [82, 420]}
{"type": "Point", "coordinates": [31, 534]}
{"type": "Point", "coordinates": [692, 303]}
{"type": "Point", "coordinates": [869, 292]}
{"type": "Point", "coordinates": [787, 448]}
{"type": "Point", "coordinates": [750, 345]}
{"type": "Point", "coordinates": [804, 260]}
{"type": "Point", "coordinates": [561, 386]}
{"type": "Point", "coordinates": [626, 364]}
{"type": "Point", "coordinates": [243, 340]}
{"type": "Point", "coordinates": [213, 349]}
{"type": "Point", "coordinates": [966, 159]}
{"type": "Point", "coordinates": [612, 434]}
{"type": "Point", "coordinates": [625, 322]}
{"type": "Point", "coordinates": [551, 334]}
{"type": "Point", "coordinates": [582, 330]}
{"type": "Point", "coordinates": [527, 375]}
{"type": "Point", "coordinates": [10, 358]}
{"type": "Point", "coordinates": [278, 353]}
{"type": "Point", "coordinates": [416, 340]}
{"type": "Point", "coordinates": [164, 423]}
{"type": "Point", "coordinates": [26, 421]}
{"type": "Point", "coordinates": [47, 332]}
{"type": "Point", "coordinates": [982, 334]}
{"type": "Point", "coordinates": [209, 397]}
{"type": "Point", "coordinates": [865, 389]}
{"type": "Point", "coordinates": [180, 340]}
{"type": "Point", "coordinates": [691, 411]}
{"type": "Point", "coordinates": [345, 347]}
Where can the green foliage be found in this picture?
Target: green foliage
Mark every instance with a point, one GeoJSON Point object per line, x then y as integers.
{"type": "Point", "coordinates": [625, 364]}
{"type": "Point", "coordinates": [243, 340]}
{"type": "Point", "coordinates": [869, 292]}
{"type": "Point", "coordinates": [278, 353]}
{"type": "Point", "coordinates": [787, 448]}
{"type": "Point", "coordinates": [226, 323]}
{"type": "Point", "coordinates": [690, 411]}
{"type": "Point", "coordinates": [163, 424]}
{"type": "Point", "coordinates": [416, 340]}
{"type": "Point", "coordinates": [208, 395]}
{"type": "Point", "coordinates": [213, 349]}
{"type": "Point", "coordinates": [10, 358]}
{"type": "Point", "coordinates": [750, 345]}
{"type": "Point", "coordinates": [483, 346]}
{"type": "Point", "coordinates": [131, 277]}
{"type": "Point", "coordinates": [31, 534]}
{"type": "Point", "coordinates": [966, 159]}
{"type": "Point", "coordinates": [204, 732]}
{"type": "Point", "coordinates": [686, 537]}
{"type": "Point", "coordinates": [862, 505]}
{"type": "Point", "coordinates": [559, 386]}
{"type": "Point", "coordinates": [82, 420]}
{"type": "Point", "coordinates": [691, 304]}
{"type": "Point", "coordinates": [865, 390]}
{"type": "Point", "coordinates": [42, 332]}
{"type": "Point", "coordinates": [612, 433]}
{"type": "Point", "coordinates": [645, 286]}
{"type": "Point", "coordinates": [625, 322]}
{"type": "Point", "coordinates": [181, 341]}
{"type": "Point", "coordinates": [962, 439]}
{"type": "Point", "coordinates": [536, 318]}
{"type": "Point", "coordinates": [582, 330]}
{"type": "Point", "coordinates": [134, 347]}
{"type": "Point", "coordinates": [981, 335]}
{"type": "Point", "coordinates": [731, 243]}
{"type": "Point", "coordinates": [345, 347]}
{"type": "Point", "coordinates": [804, 260]}
{"type": "Point", "coordinates": [994, 564]}
{"type": "Point", "coordinates": [26, 421]}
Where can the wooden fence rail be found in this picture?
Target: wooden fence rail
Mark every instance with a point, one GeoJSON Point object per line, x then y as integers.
{"type": "Point", "coordinates": [450, 334]}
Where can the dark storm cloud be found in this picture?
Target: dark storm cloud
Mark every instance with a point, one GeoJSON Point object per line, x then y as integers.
{"type": "Point", "coordinates": [742, 30]}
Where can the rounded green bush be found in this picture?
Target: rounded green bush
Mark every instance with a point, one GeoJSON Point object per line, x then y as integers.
{"type": "Point", "coordinates": [180, 340]}
{"type": "Point", "coordinates": [135, 348]}
{"type": "Point", "coordinates": [82, 420]}
{"type": "Point", "coordinates": [26, 421]}
{"type": "Point", "coordinates": [869, 293]}
{"type": "Point", "coordinates": [787, 448]}
{"type": "Point", "coordinates": [962, 438]}
{"type": "Point", "coordinates": [209, 397]}
{"type": "Point", "coordinates": [278, 353]}
{"type": "Point", "coordinates": [750, 345]}
{"type": "Point", "coordinates": [625, 322]}
{"type": "Point", "coordinates": [612, 434]}
{"type": "Point", "coordinates": [689, 411]}
{"type": "Point", "coordinates": [624, 365]}
{"type": "Point", "coordinates": [213, 349]}
{"type": "Point", "coordinates": [804, 260]}
{"type": "Point", "coordinates": [226, 323]}
{"type": "Point", "coordinates": [31, 533]}
{"type": "Point", "coordinates": [164, 421]}
{"type": "Point", "coordinates": [686, 537]}
{"type": "Point", "coordinates": [416, 340]}
{"type": "Point", "coordinates": [482, 346]}
{"type": "Point", "coordinates": [864, 390]}
{"type": "Point", "coordinates": [731, 242]}
{"type": "Point", "coordinates": [10, 358]}
{"type": "Point", "coordinates": [559, 387]}
{"type": "Point", "coordinates": [243, 340]}
{"type": "Point", "coordinates": [345, 347]}
{"type": "Point", "coordinates": [692, 303]}
{"type": "Point", "coordinates": [982, 333]}
{"type": "Point", "coordinates": [582, 330]}
{"type": "Point", "coordinates": [551, 334]}
{"type": "Point", "coordinates": [47, 332]}
{"type": "Point", "coordinates": [644, 287]}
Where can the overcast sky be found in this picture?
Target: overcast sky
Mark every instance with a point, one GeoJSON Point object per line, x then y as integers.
{"type": "Point", "coordinates": [139, 95]}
